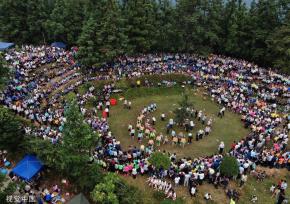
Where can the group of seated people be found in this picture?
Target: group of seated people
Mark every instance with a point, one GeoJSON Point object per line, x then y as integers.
{"type": "Point", "coordinates": [162, 185]}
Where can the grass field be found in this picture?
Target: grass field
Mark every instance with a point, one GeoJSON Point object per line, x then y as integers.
{"type": "Point", "coordinates": [226, 129]}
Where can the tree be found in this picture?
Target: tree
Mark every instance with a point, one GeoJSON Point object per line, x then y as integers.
{"type": "Point", "coordinates": [102, 38]}
{"type": "Point", "coordinates": [49, 153]}
{"type": "Point", "coordinates": [237, 37]}
{"type": "Point", "coordinates": [53, 156]}
{"type": "Point", "coordinates": [12, 133]}
{"type": "Point", "coordinates": [70, 157]}
{"type": "Point", "coordinates": [191, 19]}
{"type": "Point", "coordinates": [113, 190]}
{"type": "Point", "coordinates": [263, 20]}
{"type": "Point", "coordinates": [159, 160]}
{"type": "Point", "coordinates": [4, 72]}
{"type": "Point", "coordinates": [6, 191]}
{"type": "Point", "coordinates": [140, 27]}
{"type": "Point", "coordinates": [229, 166]}
{"type": "Point", "coordinates": [66, 20]}
{"type": "Point", "coordinates": [166, 38]}
{"type": "Point", "coordinates": [78, 142]}
{"type": "Point", "coordinates": [128, 194]}
{"type": "Point", "coordinates": [212, 10]}
{"type": "Point", "coordinates": [104, 192]}
{"type": "Point", "coordinates": [279, 44]}
{"type": "Point", "coordinates": [181, 113]}
{"type": "Point", "coordinates": [20, 20]}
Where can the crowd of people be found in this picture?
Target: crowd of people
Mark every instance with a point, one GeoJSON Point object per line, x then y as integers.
{"type": "Point", "coordinates": [145, 127]}
{"type": "Point", "coordinates": [259, 95]}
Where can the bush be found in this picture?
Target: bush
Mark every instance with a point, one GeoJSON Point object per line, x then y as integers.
{"type": "Point", "coordinates": [159, 160]}
{"type": "Point", "coordinates": [229, 166]}
{"type": "Point", "coordinates": [128, 194]}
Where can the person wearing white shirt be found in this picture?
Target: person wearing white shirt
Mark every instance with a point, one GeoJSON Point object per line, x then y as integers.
{"type": "Point", "coordinates": [207, 196]}
{"type": "Point", "coordinates": [221, 147]}
{"type": "Point", "coordinates": [171, 123]}
{"type": "Point", "coordinates": [176, 180]}
{"type": "Point", "coordinates": [193, 191]}
{"type": "Point", "coordinates": [186, 179]}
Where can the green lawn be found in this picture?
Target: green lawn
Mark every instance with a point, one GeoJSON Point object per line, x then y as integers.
{"type": "Point", "coordinates": [227, 129]}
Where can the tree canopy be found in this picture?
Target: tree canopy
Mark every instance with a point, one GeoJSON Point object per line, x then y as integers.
{"type": "Point", "coordinates": [106, 29]}
{"type": "Point", "coordinates": [4, 72]}
{"type": "Point", "coordinates": [12, 133]}
{"type": "Point", "coordinates": [71, 156]}
{"type": "Point", "coordinates": [113, 190]}
{"type": "Point", "coordinates": [181, 113]}
{"type": "Point", "coordinates": [229, 166]}
{"type": "Point", "coordinates": [159, 160]}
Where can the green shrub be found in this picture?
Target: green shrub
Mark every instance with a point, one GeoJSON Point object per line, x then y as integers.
{"type": "Point", "coordinates": [159, 160]}
{"type": "Point", "coordinates": [229, 166]}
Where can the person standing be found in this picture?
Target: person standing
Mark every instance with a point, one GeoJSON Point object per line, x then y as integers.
{"type": "Point", "coordinates": [132, 133]}
{"type": "Point", "coordinates": [244, 179]}
{"type": "Point", "coordinates": [191, 125]}
{"type": "Point", "coordinates": [153, 120]}
{"type": "Point", "coordinates": [171, 122]}
{"type": "Point", "coordinates": [107, 112]}
{"type": "Point", "coordinates": [162, 117]}
{"type": "Point", "coordinates": [176, 180]}
{"type": "Point", "coordinates": [189, 138]}
{"type": "Point", "coordinates": [221, 147]}
{"type": "Point", "coordinates": [134, 173]}
{"type": "Point", "coordinates": [186, 179]}
{"type": "Point", "coordinates": [193, 191]}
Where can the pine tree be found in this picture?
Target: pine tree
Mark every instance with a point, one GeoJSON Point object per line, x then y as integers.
{"type": "Point", "coordinates": [103, 37]}
{"type": "Point", "coordinates": [65, 21]}
{"type": "Point", "coordinates": [4, 72]}
{"type": "Point", "coordinates": [213, 24]}
{"type": "Point", "coordinates": [78, 142]}
{"type": "Point", "coordinates": [140, 24]}
{"type": "Point", "coordinates": [181, 113]}
{"type": "Point", "coordinates": [279, 44]}
{"type": "Point", "coordinates": [165, 34]}
{"type": "Point", "coordinates": [237, 31]}
{"type": "Point", "coordinates": [23, 21]}
{"type": "Point", "coordinates": [191, 18]}
{"type": "Point", "coordinates": [11, 130]}
{"type": "Point", "coordinates": [263, 20]}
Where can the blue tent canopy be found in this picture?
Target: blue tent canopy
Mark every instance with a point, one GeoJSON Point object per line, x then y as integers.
{"type": "Point", "coordinates": [58, 44]}
{"type": "Point", "coordinates": [5, 45]}
{"type": "Point", "coordinates": [28, 167]}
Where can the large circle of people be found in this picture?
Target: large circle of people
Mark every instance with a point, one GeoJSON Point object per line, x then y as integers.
{"type": "Point", "coordinates": [43, 75]}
